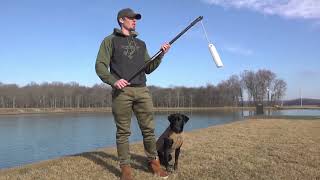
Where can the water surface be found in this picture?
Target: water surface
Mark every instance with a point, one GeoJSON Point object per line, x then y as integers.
{"type": "Point", "coordinates": [31, 138]}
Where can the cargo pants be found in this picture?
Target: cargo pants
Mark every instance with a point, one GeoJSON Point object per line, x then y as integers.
{"type": "Point", "coordinates": [137, 100]}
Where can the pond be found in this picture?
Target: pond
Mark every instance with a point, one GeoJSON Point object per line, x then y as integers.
{"type": "Point", "coordinates": [31, 138]}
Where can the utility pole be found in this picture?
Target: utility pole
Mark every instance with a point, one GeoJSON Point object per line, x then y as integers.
{"type": "Point", "coordinates": [300, 98]}
{"type": "Point", "coordinates": [268, 90]}
{"type": "Point", "coordinates": [14, 102]}
{"type": "Point", "coordinates": [191, 101]}
{"type": "Point", "coordinates": [178, 97]}
{"type": "Point", "coordinates": [190, 105]}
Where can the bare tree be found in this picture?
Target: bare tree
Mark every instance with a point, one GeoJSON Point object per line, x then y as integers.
{"type": "Point", "coordinates": [264, 79]}
{"type": "Point", "coordinates": [278, 90]}
{"type": "Point", "coordinates": [73, 95]}
{"type": "Point", "coordinates": [257, 84]}
{"type": "Point", "coordinates": [248, 80]}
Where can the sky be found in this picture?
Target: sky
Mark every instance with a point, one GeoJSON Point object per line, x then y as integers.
{"type": "Point", "coordinates": [58, 40]}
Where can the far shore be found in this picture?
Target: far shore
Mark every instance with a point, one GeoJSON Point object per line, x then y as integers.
{"type": "Point", "coordinates": [248, 149]}
{"type": "Point", "coordinates": [17, 111]}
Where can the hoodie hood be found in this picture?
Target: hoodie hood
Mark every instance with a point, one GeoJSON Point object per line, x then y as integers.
{"type": "Point", "coordinates": [118, 32]}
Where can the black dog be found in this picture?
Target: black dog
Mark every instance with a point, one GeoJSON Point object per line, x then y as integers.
{"type": "Point", "coordinates": [170, 142]}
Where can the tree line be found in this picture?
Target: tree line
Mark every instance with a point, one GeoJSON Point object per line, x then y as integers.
{"type": "Point", "coordinates": [260, 87]}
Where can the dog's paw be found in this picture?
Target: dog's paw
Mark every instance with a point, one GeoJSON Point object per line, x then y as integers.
{"type": "Point", "coordinates": [175, 167]}
{"type": "Point", "coordinates": [170, 168]}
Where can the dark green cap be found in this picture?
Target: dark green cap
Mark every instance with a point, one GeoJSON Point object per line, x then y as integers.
{"type": "Point", "coordinates": [127, 12]}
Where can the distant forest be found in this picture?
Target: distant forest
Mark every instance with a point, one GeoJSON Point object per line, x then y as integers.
{"type": "Point", "coordinates": [260, 86]}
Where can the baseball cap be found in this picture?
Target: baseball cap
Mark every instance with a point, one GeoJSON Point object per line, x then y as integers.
{"type": "Point", "coordinates": [127, 12]}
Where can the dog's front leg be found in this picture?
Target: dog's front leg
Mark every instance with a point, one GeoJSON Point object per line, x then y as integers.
{"type": "Point", "coordinates": [176, 158]}
{"type": "Point", "coordinates": [166, 146]}
{"type": "Point", "coordinates": [161, 157]}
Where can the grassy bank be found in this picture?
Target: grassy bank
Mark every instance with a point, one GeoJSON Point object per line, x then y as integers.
{"type": "Point", "coordinates": [250, 149]}
{"type": "Point", "coordinates": [300, 107]}
{"type": "Point", "coordinates": [13, 111]}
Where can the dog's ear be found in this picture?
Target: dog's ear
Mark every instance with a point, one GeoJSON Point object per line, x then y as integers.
{"type": "Point", "coordinates": [185, 118]}
{"type": "Point", "coordinates": [171, 118]}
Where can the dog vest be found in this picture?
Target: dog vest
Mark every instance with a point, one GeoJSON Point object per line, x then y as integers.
{"type": "Point", "coordinates": [168, 133]}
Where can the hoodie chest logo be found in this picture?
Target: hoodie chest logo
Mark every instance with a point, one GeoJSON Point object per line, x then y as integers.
{"type": "Point", "coordinates": [130, 49]}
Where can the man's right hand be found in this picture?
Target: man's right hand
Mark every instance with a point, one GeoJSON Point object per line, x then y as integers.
{"type": "Point", "coordinates": [121, 83]}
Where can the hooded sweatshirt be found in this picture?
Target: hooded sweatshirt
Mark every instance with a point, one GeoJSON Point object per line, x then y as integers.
{"type": "Point", "coordinates": [120, 56]}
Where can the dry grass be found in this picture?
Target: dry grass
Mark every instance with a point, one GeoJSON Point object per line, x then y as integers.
{"type": "Point", "coordinates": [301, 107]}
{"type": "Point", "coordinates": [250, 149]}
{"type": "Point", "coordinates": [15, 111]}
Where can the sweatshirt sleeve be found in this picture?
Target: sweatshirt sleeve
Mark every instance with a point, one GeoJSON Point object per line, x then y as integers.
{"type": "Point", "coordinates": [154, 64]}
{"type": "Point", "coordinates": [103, 62]}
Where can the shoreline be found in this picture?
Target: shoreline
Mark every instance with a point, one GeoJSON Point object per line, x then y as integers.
{"type": "Point", "coordinates": [249, 149]}
{"type": "Point", "coordinates": [18, 111]}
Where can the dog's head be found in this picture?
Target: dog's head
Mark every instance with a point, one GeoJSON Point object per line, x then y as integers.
{"type": "Point", "coordinates": [177, 122]}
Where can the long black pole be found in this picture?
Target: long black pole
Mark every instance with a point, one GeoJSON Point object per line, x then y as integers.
{"type": "Point", "coordinates": [160, 51]}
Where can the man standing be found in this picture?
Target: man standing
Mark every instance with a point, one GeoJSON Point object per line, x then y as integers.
{"type": "Point", "coordinates": [123, 53]}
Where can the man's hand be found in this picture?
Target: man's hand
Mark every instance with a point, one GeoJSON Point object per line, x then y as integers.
{"type": "Point", "coordinates": [165, 47]}
{"type": "Point", "coordinates": [121, 83]}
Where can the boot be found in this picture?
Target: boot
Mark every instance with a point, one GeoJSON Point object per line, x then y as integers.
{"type": "Point", "coordinates": [126, 172]}
{"type": "Point", "coordinates": [154, 165]}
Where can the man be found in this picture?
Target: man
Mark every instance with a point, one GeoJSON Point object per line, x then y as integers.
{"type": "Point", "coordinates": [123, 53]}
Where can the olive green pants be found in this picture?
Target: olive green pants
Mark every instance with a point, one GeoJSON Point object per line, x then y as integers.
{"type": "Point", "coordinates": [138, 100]}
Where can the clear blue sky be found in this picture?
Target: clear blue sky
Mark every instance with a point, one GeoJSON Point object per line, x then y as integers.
{"type": "Point", "coordinates": [45, 41]}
